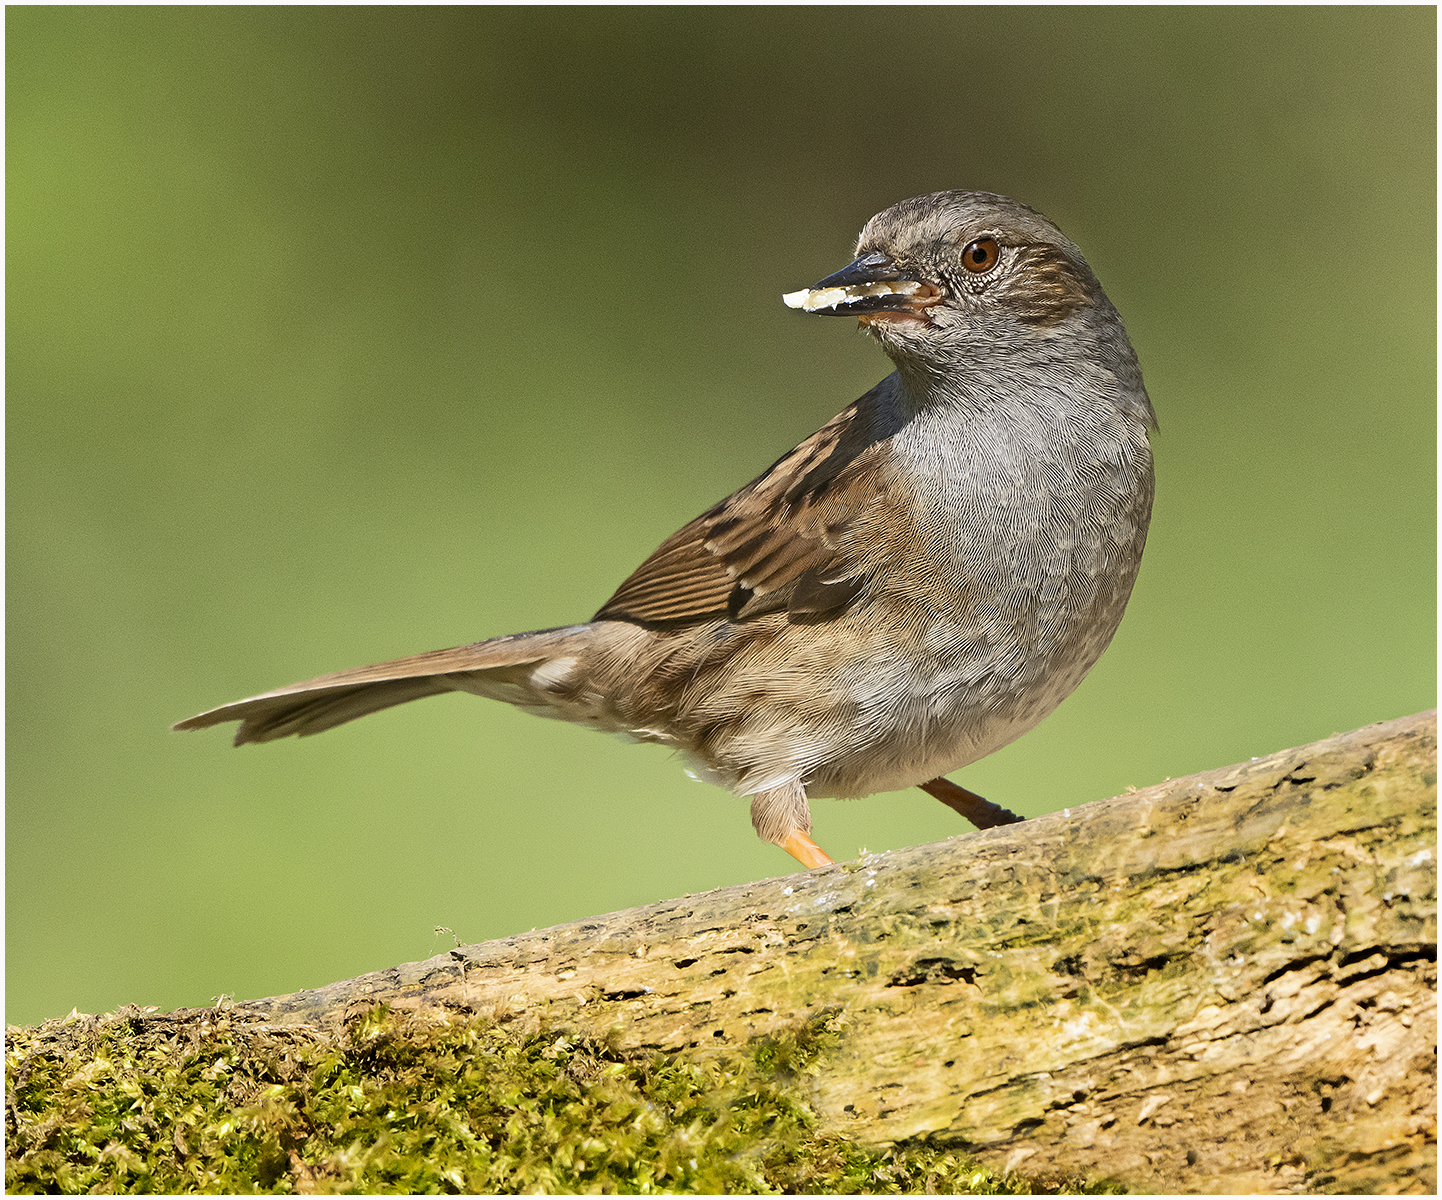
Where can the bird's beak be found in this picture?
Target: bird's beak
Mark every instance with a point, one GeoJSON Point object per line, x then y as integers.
{"type": "Point", "coordinates": [870, 284]}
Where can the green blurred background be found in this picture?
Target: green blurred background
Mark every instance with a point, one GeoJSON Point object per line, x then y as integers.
{"type": "Point", "coordinates": [341, 334]}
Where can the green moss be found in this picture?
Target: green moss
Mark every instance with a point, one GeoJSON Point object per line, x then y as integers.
{"type": "Point", "coordinates": [215, 1101]}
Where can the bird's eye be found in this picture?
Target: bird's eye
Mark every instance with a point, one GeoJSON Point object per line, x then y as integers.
{"type": "Point", "coordinates": [981, 255]}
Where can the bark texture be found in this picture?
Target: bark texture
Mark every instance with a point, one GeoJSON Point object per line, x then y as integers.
{"type": "Point", "coordinates": [1221, 983]}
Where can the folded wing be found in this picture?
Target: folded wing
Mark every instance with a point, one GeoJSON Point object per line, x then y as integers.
{"type": "Point", "coordinates": [790, 539]}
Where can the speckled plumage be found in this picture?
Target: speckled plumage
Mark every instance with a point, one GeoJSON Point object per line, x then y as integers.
{"type": "Point", "coordinates": [915, 586]}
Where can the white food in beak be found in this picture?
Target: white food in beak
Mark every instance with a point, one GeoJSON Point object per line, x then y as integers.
{"type": "Point", "coordinates": [810, 299]}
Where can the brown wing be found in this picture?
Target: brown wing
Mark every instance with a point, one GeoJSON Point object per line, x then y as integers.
{"type": "Point", "coordinates": [785, 540]}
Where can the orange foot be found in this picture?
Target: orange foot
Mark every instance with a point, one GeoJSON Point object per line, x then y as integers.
{"type": "Point", "coordinates": [804, 850]}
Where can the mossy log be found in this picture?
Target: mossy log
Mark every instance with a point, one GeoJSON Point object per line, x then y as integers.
{"type": "Point", "coordinates": [1221, 983]}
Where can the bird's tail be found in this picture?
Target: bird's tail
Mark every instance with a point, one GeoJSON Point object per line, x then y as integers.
{"type": "Point", "coordinates": [500, 667]}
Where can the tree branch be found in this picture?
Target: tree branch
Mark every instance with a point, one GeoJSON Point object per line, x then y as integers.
{"type": "Point", "coordinates": [1223, 982]}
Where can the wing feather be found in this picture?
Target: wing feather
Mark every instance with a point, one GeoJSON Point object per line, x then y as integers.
{"type": "Point", "coordinates": [750, 553]}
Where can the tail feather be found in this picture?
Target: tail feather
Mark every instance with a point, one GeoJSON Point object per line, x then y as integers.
{"type": "Point", "coordinates": [330, 700]}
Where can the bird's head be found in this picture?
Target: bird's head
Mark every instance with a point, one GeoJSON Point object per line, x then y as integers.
{"type": "Point", "coordinates": [956, 277]}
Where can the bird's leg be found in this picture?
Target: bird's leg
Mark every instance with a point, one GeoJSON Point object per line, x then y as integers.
{"type": "Point", "coordinates": [980, 812]}
{"type": "Point", "coordinates": [800, 846]}
{"type": "Point", "coordinates": [782, 816]}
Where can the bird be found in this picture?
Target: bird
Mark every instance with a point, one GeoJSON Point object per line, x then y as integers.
{"type": "Point", "coordinates": [913, 587]}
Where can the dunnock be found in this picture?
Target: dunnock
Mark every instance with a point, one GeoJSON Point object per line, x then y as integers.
{"type": "Point", "coordinates": [917, 584]}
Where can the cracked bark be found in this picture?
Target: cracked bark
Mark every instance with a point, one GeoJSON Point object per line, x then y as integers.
{"type": "Point", "coordinates": [1221, 983]}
